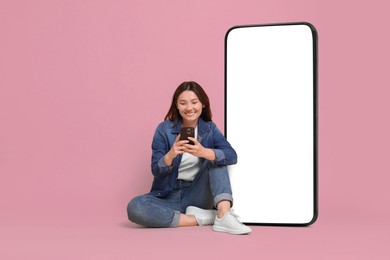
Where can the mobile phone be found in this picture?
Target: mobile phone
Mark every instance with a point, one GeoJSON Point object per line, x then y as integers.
{"type": "Point", "coordinates": [186, 132]}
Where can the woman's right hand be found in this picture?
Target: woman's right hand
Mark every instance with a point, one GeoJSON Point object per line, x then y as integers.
{"type": "Point", "coordinates": [176, 149]}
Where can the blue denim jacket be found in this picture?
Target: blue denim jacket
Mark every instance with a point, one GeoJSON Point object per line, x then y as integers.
{"type": "Point", "coordinates": [164, 137]}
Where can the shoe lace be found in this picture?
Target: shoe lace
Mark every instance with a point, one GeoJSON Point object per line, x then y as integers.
{"type": "Point", "coordinates": [236, 216]}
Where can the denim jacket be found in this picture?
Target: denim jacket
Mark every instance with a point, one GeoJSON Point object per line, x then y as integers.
{"type": "Point", "coordinates": [208, 135]}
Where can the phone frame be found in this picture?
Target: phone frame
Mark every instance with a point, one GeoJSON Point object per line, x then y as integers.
{"type": "Point", "coordinates": [185, 134]}
{"type": "Point", "coordinates": [315, 113]}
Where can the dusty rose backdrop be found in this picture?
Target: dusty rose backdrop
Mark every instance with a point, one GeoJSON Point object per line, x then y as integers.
{"type": "Point", "coordinates": [84, 83]}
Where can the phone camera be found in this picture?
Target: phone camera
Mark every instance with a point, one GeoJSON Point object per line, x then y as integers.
{"type": "Point", "coordinates": [188, 131]}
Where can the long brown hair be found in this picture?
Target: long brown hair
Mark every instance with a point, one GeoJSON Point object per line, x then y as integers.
{"type": "Point", "coordinates": [173, 113]}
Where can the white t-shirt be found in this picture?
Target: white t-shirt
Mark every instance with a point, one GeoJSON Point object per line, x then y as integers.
{"type": "Point", "coordinates": [189, 165]}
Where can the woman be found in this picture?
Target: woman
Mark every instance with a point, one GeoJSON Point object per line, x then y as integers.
{"type": "Point", "coordinates": [189, 179]}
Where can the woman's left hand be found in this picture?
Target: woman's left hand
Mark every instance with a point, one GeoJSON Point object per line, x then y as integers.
{"type": "Point", "coordinates": [198, 150]}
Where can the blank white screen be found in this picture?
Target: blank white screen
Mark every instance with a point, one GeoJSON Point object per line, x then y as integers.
{"type": "Point", "coordinates": [269, 121]}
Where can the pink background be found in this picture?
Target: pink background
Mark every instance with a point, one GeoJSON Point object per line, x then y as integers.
{"type": "Point", "coordinates": [83, 85]}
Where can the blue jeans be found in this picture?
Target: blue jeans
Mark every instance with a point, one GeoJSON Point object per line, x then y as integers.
{"type": "Point", "coordinates": [210, 186]}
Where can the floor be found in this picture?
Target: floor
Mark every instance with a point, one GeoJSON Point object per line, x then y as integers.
{"type": "Point", "coordinates": [115, 238]}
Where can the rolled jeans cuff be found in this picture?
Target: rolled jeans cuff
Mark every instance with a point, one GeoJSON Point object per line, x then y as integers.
{"type": "Point", "coordinates": [175, 220]}
{"type": "Point", "coordinates": [221, 197]}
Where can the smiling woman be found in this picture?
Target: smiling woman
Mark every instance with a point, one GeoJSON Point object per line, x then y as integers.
{"type": "Point", "coordinates": [190, 180]}
{"type": "Point", "coordinates": [189, 108]}
{"type": "Point", "coordinates": [189, 102]}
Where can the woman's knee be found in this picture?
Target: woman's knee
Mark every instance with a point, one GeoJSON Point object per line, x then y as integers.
{"type": "Point", "coordinates": [145, 211]}
{"type": "Point", "coordinates": [135, 208]}
{"type": "Point", "coordinates": [220, 169]}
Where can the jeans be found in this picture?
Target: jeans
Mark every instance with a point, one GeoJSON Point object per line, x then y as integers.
{"type": "Point", "coordinates": [210, 186]}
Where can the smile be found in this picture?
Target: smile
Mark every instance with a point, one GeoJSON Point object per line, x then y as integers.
{"type": "Point", "coordinates": [190, 114]}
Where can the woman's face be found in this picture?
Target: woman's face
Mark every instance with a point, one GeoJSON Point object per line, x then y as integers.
{"type": "Point", "coordinates": [190, 108]}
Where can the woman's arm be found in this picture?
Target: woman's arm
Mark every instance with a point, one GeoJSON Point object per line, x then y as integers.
{"type": "Point", "coordinates": [160, 147]}
{"type": "Point", "coordinates": [220, 151]}
{"type": "Point", "coordinates": [224, 152]}
{"type": "Point", "coordinates": [163, 154]}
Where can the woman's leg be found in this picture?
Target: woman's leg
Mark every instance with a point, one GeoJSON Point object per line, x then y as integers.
{"type": "Point", "coordinates": [223, 208]}
{"type": "Point", "coordinates": [210, 188]}
{"type": "Point", "coordinates": [187, 221]}
{"type": "Point", "coordinates": [221, 189]}
{"type": "Point", "coordinates": [150, 211]}
{"type": "Point", "coordinates": [226, 221]}
{"type": "Point", "coordinates": [215, 181]}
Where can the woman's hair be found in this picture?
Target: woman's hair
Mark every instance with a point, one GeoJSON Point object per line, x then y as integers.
{"type": "Point", "coordinates": [173, 113]}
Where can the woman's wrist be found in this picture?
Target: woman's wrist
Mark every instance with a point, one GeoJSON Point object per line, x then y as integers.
{"type": "Point", "coordinates": [168, 159]}
{"type": "Point", "coordinates": [209, 154]}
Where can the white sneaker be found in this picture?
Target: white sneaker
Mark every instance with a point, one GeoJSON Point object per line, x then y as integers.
{"type": "Point", "coordinates": [204, 217]}
{"type": "Point", "coordinates": [230, 224]}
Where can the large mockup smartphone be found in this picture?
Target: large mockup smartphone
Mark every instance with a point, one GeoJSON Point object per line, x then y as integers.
{"type": "Point", "coordinates": [271, 121]}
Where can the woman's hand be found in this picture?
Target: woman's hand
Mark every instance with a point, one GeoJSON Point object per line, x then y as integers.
{"type": "Point", "coordinates": [176, 149]}
{"type": "Point", "coordinates": [198, 150]}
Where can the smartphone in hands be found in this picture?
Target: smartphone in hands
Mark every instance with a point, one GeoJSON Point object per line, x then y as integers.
{"type": "Point", "coordinates": [186, 132]}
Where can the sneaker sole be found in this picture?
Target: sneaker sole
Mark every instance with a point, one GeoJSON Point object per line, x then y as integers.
{"type": "Point", "coordinates": [230, 231]}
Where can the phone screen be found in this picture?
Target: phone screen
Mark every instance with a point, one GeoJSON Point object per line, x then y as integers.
{"type": "Point", "coordinates": [271, 85]}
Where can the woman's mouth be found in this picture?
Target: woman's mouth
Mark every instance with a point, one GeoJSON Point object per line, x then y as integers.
{"type": "Point", "coordinates": [190, 113]}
